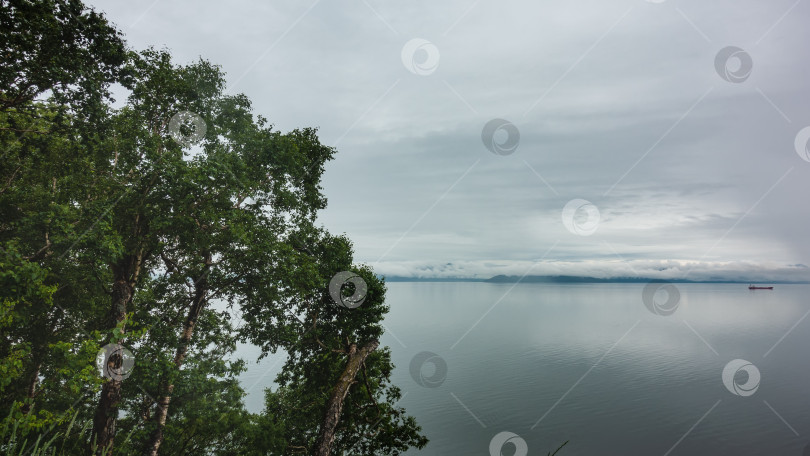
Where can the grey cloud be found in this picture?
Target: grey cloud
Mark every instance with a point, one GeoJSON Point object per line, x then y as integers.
{"type": "Point", "coordinates": [589, 100]}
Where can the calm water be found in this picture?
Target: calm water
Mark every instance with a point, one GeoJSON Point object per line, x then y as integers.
{"type": "Point", "coordinates": [592, 365]}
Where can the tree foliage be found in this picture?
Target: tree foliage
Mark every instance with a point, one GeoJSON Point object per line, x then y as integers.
{"type": "Point", "coordinates": [152, 226]}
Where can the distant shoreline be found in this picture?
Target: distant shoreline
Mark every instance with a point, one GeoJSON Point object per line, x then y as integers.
{"type": "Point", "coordinates": [580, 279]}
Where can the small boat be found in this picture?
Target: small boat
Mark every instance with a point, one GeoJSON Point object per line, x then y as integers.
{"type": "Point", "coordinates": [754, 287]}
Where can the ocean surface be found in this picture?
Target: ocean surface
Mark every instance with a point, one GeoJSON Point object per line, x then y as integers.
{"type": "Point", "coordinates": [614, 369]}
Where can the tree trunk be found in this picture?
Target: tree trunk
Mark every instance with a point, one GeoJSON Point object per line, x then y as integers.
{"type": "Point", "coordinates": [107, 409]}
{"type": "Point", "coordinates": [197, 305]}
{"type": "Point", "coordinates": [335, 405]}
{"type": "Point", "coordinates": [106, 415]}
{"type": "Point", "coordinates": [32, 389]}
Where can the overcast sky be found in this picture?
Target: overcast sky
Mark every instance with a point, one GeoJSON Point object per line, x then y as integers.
{"type": "Point", "coordinates": [678, 154]}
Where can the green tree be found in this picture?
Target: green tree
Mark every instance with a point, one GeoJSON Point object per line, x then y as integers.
{"type": "Point", "coordinates": [48, 202]}
{"type": "Point", "coordinates": [116, 228]}
{"type": "Point", "coordinates": [58, 61]}
{"type": "Point", "coordinates": [58, 49]}
{"type": "Point", "coordinates": [335, 393]}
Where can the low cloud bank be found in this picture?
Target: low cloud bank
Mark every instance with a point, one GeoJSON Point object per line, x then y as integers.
{"type": "Point", "coordinates": [605, 269]}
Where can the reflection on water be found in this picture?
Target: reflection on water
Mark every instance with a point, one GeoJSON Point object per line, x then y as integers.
{"type": "Point", "coordinates": [590, 363]}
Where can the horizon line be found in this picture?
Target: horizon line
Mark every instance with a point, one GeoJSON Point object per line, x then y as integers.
{"type": "Point", "coordinates": [502, 278]}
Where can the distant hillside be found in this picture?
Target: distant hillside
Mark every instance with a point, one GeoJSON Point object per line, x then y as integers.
{"type": "Point", "coordinates": [570, 279]}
